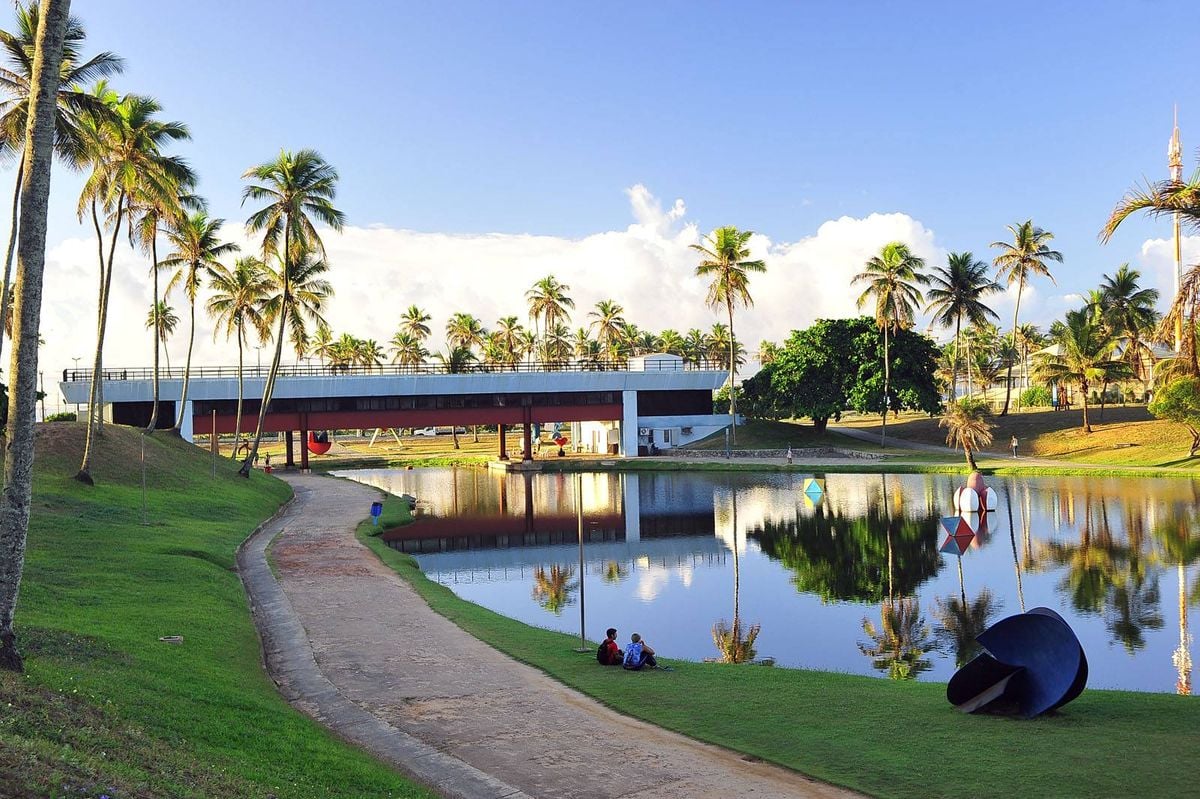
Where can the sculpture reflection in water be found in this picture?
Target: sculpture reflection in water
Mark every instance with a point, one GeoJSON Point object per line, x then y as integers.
{"type": "Point", "coordinates": [735, 644]}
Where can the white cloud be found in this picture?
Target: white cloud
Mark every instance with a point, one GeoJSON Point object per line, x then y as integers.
{"type": "Point", "coordinates": [1156, 262]}
{"type": "Point", "coordinates": [378, 271]}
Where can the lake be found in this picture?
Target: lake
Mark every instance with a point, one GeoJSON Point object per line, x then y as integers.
{"type": "Point", "coordinates": [853, 578]}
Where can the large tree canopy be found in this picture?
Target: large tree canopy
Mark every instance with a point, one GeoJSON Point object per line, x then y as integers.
{"type": "Point", "coordinates": [835, 364]}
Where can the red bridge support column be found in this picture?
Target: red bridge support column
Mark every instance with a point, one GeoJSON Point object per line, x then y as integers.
{"type": "Point", "coordinates": [289, 440]}
{"type": "Point", "coordinates": [304, 446]}
{"type": "Point", "coordinates": [503, 443]}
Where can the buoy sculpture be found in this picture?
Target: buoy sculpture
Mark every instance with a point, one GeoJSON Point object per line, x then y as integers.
{"type": "Point", "coordinates": [975, 497]}
{"type": "Point", "coordinates": [1032, 660]}
{"type": "Point", "coordinates": [319, 443]}
{"type": "Point", "coordinates": [813, 489]}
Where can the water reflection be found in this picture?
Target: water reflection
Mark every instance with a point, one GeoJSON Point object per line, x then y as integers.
{"type": "Point", "coordinates": [821, 583]}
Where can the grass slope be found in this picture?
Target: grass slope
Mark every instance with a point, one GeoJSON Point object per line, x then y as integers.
{"type": "Point", "coordinates": [887, 739]}
{"type": "Point", "coordinates": [104, 707]}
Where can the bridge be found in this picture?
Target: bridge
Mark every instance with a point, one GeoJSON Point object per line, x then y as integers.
{"type": "Point", "coordinates": [652, 401]}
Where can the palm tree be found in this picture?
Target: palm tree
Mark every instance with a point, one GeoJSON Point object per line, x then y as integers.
{"type": "Point", "coordinates": [1028, 337]}
{"type": "Point", "coordinates": [162, 317]}
{"type": "Point", "coordinates": [607, 320]}
{"type": "Point", "coordinates": [694, 347]}
{"type": "Point", "coordinates": [407, 349]}
{"type": "Point", "coordinates": [956, 292]}
{"type": "Point", "coordinates": [967, 426]}
{"type": "Point", "coordinates": [726, 259]}
{"type": "Point", "coordinates": [322, 342]}
{"type": "Point", "coordinates": [197, 252]}
{"type": "Point", "coordinates": [298, 188]}
{"type": "Point", "coordinates": [1129, 311]}
{"type": "Point", "coordinates": [456, 360]}
{"type": "Point", "coordinates": [414, 321]}
{"type": "Point", "coordinates": [125, 147]}
{"type": "Point", "coordinates": [508, 338]}
{"type": "Point", "coordinates": [735, 643]}
{"type": "Point", "coordinates": [464, 330]}
{"type": "Point", "coordinates": [670, 341]}
{"type": "Point", "coordinates": [768, 351]}
{"type": "Point", "coordinates": [556, 344]}
{"type": "Point", "coordinates": [370, 354]}
{"type": "Point", "coordinates": [35, 180]}
{"type": "Point", "coordinates": [71, 103]}
{"type": "Point", "coordinates": [890, 278]}
{"type": "Point", "coordinates": [1084, 358]}
{"type": "Point", "coordinates": [236, 305]}
{"type": "Point", "coordinates": [548, 301]}
{"type": "Point", "coordinates": [1025, 257]}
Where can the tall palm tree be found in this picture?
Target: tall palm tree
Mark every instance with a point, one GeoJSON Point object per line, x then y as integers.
{"type": "Point", "coordinates": [456, 360]}
{"type": "Point", "coordinates": [556, 344]}
{"type": "Point", "coordinates": [1018, 261]}
{"type": "Point", "coordinates": [725, 257]}
{"type": "Point", "coordinates": [891, 279]}
{"type": "Point", "coordinates": [407, 349]}
{"type": "Point", "coordinates": [508, 338]}
{"type": "Point", "coordinates": [35, 185]}
{"type": "Point", "coordinates": [1129, 311]}
{"type": "Point", "coordinates": [464, 330]}
{"type": "Point", "coordinates": [236, 305]}
{"type": "Point", "coordinates": [163, 321]}
{"type": "Point", "coordinates": [297, 188]}
{"type": "Point", "coordinates": [1084, 358]}
{"type": "Point", "coordinates": [956, 291]}
{"type": "Point", "coordinates": [607, 320]}
{"type": "Point", "coordinates": [670, 341]}
{"type": "Point", "coordinates": [967, 426]}
{"type": "Point", "coordinates": [548, 301]}
{"type": "Point", "coordinates": [694, 348]}
{"type": "Point", "coordinates": [198, 250]}
{"type": "Point", "coordinates": [322, 342]}
{"type": "Point", "coordinates": [370, 354]}
{"type": "Point", "coordinates": [125, 146]}
{"type": "Point", "coordinates": [71, 103]}
{"type": "Point", "coordinates": [1028, 338]}
{"type": "Point", "coordinates": [415, 322]}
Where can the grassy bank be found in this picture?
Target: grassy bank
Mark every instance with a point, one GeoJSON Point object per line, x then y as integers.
{"type": "Point", "coordinates": [105, 708]}
{"type": "Point", "coordinates": [888, 739]}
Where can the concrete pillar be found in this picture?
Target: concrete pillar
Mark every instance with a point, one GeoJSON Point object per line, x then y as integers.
{"type": "Point", "coordinates": [629, 428]}
{"type": "Point", "coordinates": [503, 443]}
{"type": "Point", "coordinates": [289, 442]}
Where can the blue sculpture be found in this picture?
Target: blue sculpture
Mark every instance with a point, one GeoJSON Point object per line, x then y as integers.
{"type": "Point", "coordinates": [1032, 659]}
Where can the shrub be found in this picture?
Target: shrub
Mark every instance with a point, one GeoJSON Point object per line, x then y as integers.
{"type": "Point", "coordinates": [1035, 397]}
{"type": "Point", "coordinates": [65, 416]}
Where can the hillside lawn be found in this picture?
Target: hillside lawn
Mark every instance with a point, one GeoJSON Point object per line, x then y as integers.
{"type": "Point", "coordinates": [884, 738]}
{"type": "Point", "coordinates": [104, 707]}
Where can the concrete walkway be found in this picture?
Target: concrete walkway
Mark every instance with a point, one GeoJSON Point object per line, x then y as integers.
{"type": "Point", "coordinates": [351, 644]}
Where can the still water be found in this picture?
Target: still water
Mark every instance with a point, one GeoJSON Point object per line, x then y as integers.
{"type": "Point", "coordinates": [744, 566]}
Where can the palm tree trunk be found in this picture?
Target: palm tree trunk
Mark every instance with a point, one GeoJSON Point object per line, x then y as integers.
{"type": "Point", "coordinates": [155, 332]}
{"type": "Point", "coordinates": [8, 258]}
{"type": "Point", "coordinates": [244, 471]}
{"type": "Point", "coordinates": [887, 374]}
{"type": "Point", "coordinates": [1008, 381]}
{"type": "Point", "coordinates": [187, 365]}
{"type": "Point", "coordinates": [954, 366]}
{"type": "Point", "coordinates": [23, 361]}
{"type": "Point", "coordinates": [1012, 539]}
{"type": "Point", "coordinates": [237, 423]}
{"type": "Point", "coordinates": [732, 374]}
{"type": "Point", "coordinates": [970, 457]}
{"type": "Point", "coordinates": [95, 411]}
{"type": "Point", "coordinates": [1083, 389]}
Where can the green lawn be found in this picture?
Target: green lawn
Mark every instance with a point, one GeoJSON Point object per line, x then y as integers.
{"type": "Point", "coordinates": [887, 739]}
{"type": "Point", "coordinates": [105, 707]}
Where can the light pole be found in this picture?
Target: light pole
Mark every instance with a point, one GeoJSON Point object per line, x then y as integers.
{"type": "Point", "coordinates": [75, 376]}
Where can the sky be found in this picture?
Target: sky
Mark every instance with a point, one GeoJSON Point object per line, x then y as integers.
{"type": "Point", "coordinates": [482, 146]}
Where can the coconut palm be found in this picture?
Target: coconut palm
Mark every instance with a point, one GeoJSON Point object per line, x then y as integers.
{"type": "Point", "coordinates": [768, 351]}
{"type": "Point", "coordinates": [47, 56]}
{"type": "Point", "coordinates": [125, 146]}
{"type": "Point", "coordinates": [370, 354]}
{"type": "Point", "coordinates": [298, 188]}
{"type": "Point", "coordinates": [407, 349]}
{"type": "Point", "coordinates": [670, 341]}
{"type": "Point", "coordinates": [414, 321]}
{"type": "Point", "coordinates": [456, 360]}
{"type": "Point", "coordinates": [1018, 261]}
{"type": "Point", "coordinates": [162, 318]}
{"type": "Point", "coordinates": [891, 279]}
{"type": "Point", "coordinates": [548, 302]}
{"type": "Point", "coordinates": [236, 306]}
{"type": "Point", "coordinates": [1028, 338]}
{"type": "Point", "coordinates": [1084, 358]}
{"type": "Point", "coordinates": [322, 342]}
{"type": "Point", "coordinates": [1129, 311]}
{"type": "Point", "coordinates": [464, 330]}
{"type": "Point", "coordinates": [607, 321]}
{"type": "Point", "coordinates": [198, 249]}
{"type": "Point", "coordinates": [956, 291]}
{"type": "Point", "coordinates": [967, 426]}
{"type": "Point", "coordinates": [508, 338]}
{"type": "Point", "coordinates": [694, 346]}
{"type": "Point", "coordinates": [71, 103]}
{"type": "Point", "coordinates": [556, 344]}
{"type": "Point", "coordinates": [726, 259]}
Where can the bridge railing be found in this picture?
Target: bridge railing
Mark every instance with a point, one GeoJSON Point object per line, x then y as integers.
{"type": "Point", "coordinates": [331, 370]}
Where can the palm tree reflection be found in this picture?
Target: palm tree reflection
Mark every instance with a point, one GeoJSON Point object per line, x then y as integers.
{"type": "Point", "coordinates": [552, 589]}
{"type": "Point", "coordinates": [614, 572]}
{"type": "Point", "coordinates": [735, 643]}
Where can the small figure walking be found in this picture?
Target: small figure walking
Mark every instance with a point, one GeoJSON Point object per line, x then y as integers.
{"type": "Point", "coordinates": [1013, 444]}
{"type": "Point", "coordinates": [789, 455]}
{"type": "Point", "coordinates": [267, 460]}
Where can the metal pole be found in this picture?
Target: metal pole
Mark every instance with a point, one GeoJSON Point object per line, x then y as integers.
{"type": "Point", "coordinates": [583, 647]}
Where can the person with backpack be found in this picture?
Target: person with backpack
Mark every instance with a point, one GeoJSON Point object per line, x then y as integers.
{"type": "Point", "coordinates": [609, 654]}
{"type": "Point", "coordinates": [639, 654]}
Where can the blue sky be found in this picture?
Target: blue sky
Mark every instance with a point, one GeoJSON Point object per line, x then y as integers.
{"type": "Point", "coordinates": [475, 119]}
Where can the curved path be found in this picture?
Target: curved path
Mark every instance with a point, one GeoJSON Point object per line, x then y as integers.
{"type": "Point", "coordinates": [350, 643]}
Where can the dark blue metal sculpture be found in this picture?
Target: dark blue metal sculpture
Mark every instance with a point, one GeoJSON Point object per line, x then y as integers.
{"type": "Point", "coordinates": [1032, 659]}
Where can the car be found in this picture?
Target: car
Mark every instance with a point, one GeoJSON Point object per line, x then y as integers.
{"type": "Point", "coordinates": [425, 431]}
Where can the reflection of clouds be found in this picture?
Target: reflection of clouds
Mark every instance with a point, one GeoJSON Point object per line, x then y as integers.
{"type": "Point", "coordinates": [650, 583]}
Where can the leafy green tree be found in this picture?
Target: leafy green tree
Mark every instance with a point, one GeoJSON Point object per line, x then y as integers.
{"type": "Point", "coordinates": [1179, 402]}
{"type": "Point", "coordinates": [297, 189]}
{"type": "Point", "coordinates": [1084, 358]}
{"type": "Point", "coordinates": [726, 260]}
{"type": "Point", "coordinates": [956, 292]}
{"type": "Point", "coordinates": [1017, 262]}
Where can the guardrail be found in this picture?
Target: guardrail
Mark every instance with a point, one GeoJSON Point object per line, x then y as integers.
{"type": "Point", "coordinates": [330, 370]}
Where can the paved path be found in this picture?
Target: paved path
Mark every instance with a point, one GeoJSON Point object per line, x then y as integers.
{"type": "Point", "coordinates": [373, 662]}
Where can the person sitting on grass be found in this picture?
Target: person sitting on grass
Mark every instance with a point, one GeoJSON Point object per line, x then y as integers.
{"type": "Point", "coordinates": [639, 654]}
{"type": "Point", "coordinates": [609, 653]}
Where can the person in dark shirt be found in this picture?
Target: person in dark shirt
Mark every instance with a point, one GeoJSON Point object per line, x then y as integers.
{"type": "Point", "coordinates": [610, 653]}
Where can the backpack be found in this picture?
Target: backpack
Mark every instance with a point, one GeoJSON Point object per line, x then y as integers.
{"type": "Point", "coordinates": [608, 654]}
{"type": "Point", "coordinates": [633, 656]}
